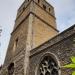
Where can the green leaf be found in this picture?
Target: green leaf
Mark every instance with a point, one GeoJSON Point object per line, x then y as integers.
{"type": "Point", "coordinates": [69, 66]}
{"type": "Point", "coordinates": [72, 65]}
{"type": "Point", "coordinates": [73, 73]}
{"type": "Point", "coordinates": [73, 59]}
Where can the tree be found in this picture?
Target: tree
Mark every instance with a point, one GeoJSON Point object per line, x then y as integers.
{"type": "Point", "coordinates": [4, 72]}
{"type": "Point", "coordinates": [72, 65]}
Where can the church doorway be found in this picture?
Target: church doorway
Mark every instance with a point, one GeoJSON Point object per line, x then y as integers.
{"type": "Point", "coordinates": [11, 69]}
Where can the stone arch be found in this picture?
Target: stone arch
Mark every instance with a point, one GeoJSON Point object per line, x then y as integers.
{"type": "Point", "coordinates": [53, 58]}
{"type": "Point", "coordinates": [11, 69]}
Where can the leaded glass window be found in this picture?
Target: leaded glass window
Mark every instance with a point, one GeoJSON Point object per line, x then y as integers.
{"type": "Point", "coordinates": [48, 66]}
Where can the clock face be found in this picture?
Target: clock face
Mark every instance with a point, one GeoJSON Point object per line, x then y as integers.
{"type": "Point", "coordinates": [48, 66]}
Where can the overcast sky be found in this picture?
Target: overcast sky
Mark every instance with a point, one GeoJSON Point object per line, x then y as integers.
{"type": "Point", "coordinates": [64, 11]}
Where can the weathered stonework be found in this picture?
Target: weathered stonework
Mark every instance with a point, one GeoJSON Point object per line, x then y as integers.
{"type": "Point", "coordinates": [61, 46]}
{"type": "Point", "coordinates": [35, 36]}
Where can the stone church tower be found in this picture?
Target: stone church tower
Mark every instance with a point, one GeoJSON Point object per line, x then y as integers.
{"type": "Point", "coordinates": [35, 47]}
{"type": "Point", "coordinates": [35, 24]}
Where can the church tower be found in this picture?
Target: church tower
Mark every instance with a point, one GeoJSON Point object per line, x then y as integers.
{"type": "Point", "coordinates": [35, 24]}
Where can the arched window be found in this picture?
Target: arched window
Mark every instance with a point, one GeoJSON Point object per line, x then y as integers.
{"type": "Point", "coordinates": [38, 1]}
{"type": "Point", "coordinates": [49, 9]}
{"type": "Point", "coordinates": [23, 8]}
{"type": "Point", "coordinates": [15, 45]}
{"type": "Point", "coordinates": [48, 66]}
{"type": "Point", "coordinates": [11, 69]}
{"type": "Point", "coordinates": [44, 7]}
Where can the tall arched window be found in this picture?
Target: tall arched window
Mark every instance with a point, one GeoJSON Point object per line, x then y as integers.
{"type": "Point", "coordinates": [15, 45]}
{"type": "Point", "coordinates": [49, 9]}
{"type": "Point", "coordinates": [48, 66]}
{"type": "Point", "coordinates": [38, 1]}
{"type": "Point", "coordinates": [44, 7]}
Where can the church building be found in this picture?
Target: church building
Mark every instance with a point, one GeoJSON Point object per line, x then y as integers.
{"type": "Point", "coordinates": [36, 47]}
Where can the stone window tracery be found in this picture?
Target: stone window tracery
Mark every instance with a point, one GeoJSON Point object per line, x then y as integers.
{"type": "Point", "coordinates": [48, 66]}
